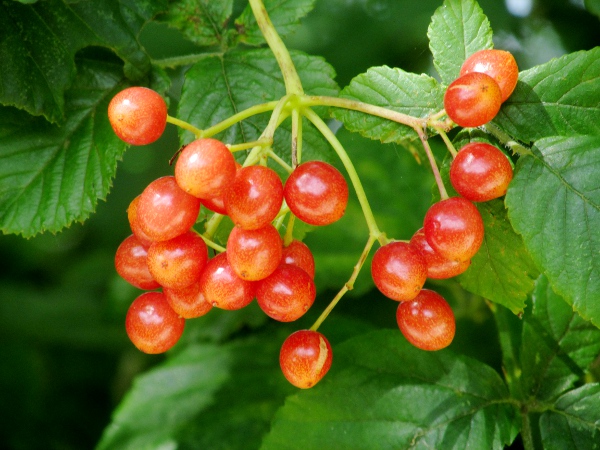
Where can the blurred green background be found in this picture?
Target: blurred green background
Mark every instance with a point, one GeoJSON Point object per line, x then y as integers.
{"type": "Point", "coordinates": [65, 360]}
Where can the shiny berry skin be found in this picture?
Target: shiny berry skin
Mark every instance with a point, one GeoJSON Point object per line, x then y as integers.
{"type": "Point", "coordinates": [178, 262]}
{"type": "Point", "coordinates": [152, 325]}
{"type": "Point", "coordinates": [316, 193]}
{"type": "Point", "coordinates": [454, 228]}
{"type": "Point", "coordinates": [221, 287]}
{"type": "Point", "coordinates": [134, 223]}
{"type": "Point", "coordinates": [286, 294]}
{"type": "Point", "coordinates": [138, 115]}
{"type": "Point", "coordinates": [165, 211]}
{"type": "Point", "coordinates": [427, 322]}
{"type": "Point", "coordinates": [305, 357]}
{"type": "Point", "coordinates": [205, 168]}
{"type": "Point", "coordinates": [472, 100]}
{"type": "Point", "coordinates": [254, 254]}
{"type": "Point", "coordinates": [498, 64]}
{"type": "Point", "coordinates": [298, 254]}
{"type": "Point", "coordinates": [131, 264]}
{"type": "Point", "coordinates": [438, 267]}
{"type": "Point", "coordinates": [399, 270]}
{"type": "Point", "coordinates": [480, 172]}
{"type": "Point", "coordinates": [254, 197]}
{"type": "Point", "coordinates": [188, 302]}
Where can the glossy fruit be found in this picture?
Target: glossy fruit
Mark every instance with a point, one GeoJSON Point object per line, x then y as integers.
{"type": "Point", "coordinates": [131, 264]}
{"type": "Point", "coordinates": [427, 322]}
{"type": "Point", "coordinates": [188, 302]}
{"type": "Point", "coordinates": [498, 64]}
{"type": "Point", "coordinates": [399, 270]}
{"type": "Point", "coordinates": [438, 267]}
{"type": "Point", "coordinates": [205, 168]}
{"type": "Point", "coordinates": [317, 193]}
{"type": "Point", "coordinates": [134, 223]}
{"type": "Point", "coordinates": [222, 288]}
{"type": "Point", "coordinates": [472, 100]}
{"type": "Point", "coordinates": [178, 262]}
{"type": "Point", "coordinates": [298, 254]}
{"type": "Point", "coordinates": [152, 325]}
{"type": "Point", "coordinates": [480, 172]}
{"type": "Point", "coordinates": [454, 228]}
{"type": "Point", "coordinates": [254, 197]}
{"type": "Point", "coordinates": [305, 357]}
{"type": "Point", "coordinates": [254, 254]}
{"type": "Point", "coordinates": [138, 115]}
{"type": "Point", "coordinates": [286, 294]}
{"type": "Point", "coordinates": [164, 211]}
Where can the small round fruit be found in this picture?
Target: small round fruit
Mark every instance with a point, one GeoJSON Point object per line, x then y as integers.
{"type": "Point", "coordinates": [454, 228]}
{"type": "Point", "coordinates": [480, 172]}
{"type": "Point", "coordinates": [134, 223]}
{"type": "Point", "coordinates": [205, 168]}
{"type": "Point", "coordinates": [316, 193]}
{"type": "Point", "coordinates": [151, 323]}
{"type": "Point", "coordinates": [438, 267]}
{"type": "Point", "coordinates": [498, 64]}
{"type": "Point", "coordinates": [427, 322]}
{"type": "Point", "coordinates": [131, 262]}
{"type": "Point", "coordinates": [286, 294]}
{"type": "Point", "coordinates": [472, 100]}
{"type": "Point", "coordinates": [254, 254]}
{"type": "Point", "coordinates": [165, 211]}
{"type": "Point", "coordinates": [305, 358]}
{"type": "Point", "coordinates": [138, 115]}
{"type": "Point", "coordinates": [298, 254]}
{"type": "Point", "coordinates": [188, 302]}
{"type": "Point", "coordinates": [399, 270]}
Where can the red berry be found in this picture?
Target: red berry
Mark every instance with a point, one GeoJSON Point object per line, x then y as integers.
{"type": "Point", "coordinates": [205, 168]}
{"type": "Point", "coordinates": [298, 254]}
{"type": "Point", "coordinates": [221, 287]}
{"type": "Point", "coordinates": [134, 223]}
{"type": "Point", "coordinates": [188, 302]}
{"type": "Point", "coordinates": [472, 100]}
{"type": "Point", "coordinates": [316, 193]}
{"type": "Point", "coordinates": [254, 254]}
{"type": "Point", "coordinates": [305, 358]}
{"type": "Point", "coordinates": [498, 64]}
{"type": "Point", "coordinates": [399, 270]}
{"type": "Point", "coordinates": [480, 172]}
{"type": "Point", "coordinates": [454, 228]}
{"type": "Point", "coordinates": [178, 262]}
{"type": "Point", "coordinates": [254, 197]}
{"type": "Point", "coordinates": [138, 115]}
{"type": "Point", "coordinates": [131, 263]}
{"type": "Point", "coordinates": [152, 325]}
{"type": "Point", "coordinates": [427, 322]}
{"type": "Point", "coordinates": [164, 211]}
{"type": "Point", "coordinates": [438, 267]}
{"type": "Point", "coordinates": [286, 294]}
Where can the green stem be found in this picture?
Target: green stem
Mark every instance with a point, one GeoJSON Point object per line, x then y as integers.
{"type": "Point", "coordinates": [279, 161]}
{"type": "Point", "coordinates": [526, 433]}
{"type": "Point", "coordinates": [448, 143]}
{"type": "Point", "coordinates": [434, 167]}
{"type": "Point", "coordinates": [296, 137]}
{"type": "Point", "coordinates": [211, 225]}
{"type": "Point", "coordinates": [288, 70]}
{"type": "Point", "coordinates": [505, 139]}
{"type": "Point", "coordinates": [183, 60]}
{"type": "Point", "coordinates": [230, 121]}
{"type": "Point", "coordinates": [289, 231]}
{"type": "Point", "coordinates": [213, 244]}
{"type": "Point", "coordinates": [186, 126]}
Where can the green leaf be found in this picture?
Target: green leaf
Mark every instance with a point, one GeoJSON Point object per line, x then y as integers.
{"type": "Point", "coordinates": [384, 393]}
{"type": "Point", "coordinates": [51, 176]}
{"type": "Point", "coordinates": [220, 86]}
{"type": "Point", "coordinates": [285, 15]}
{"type": "Point", "coordinates": [458, 29]}
{"type": "Point", "coordinates": [203, 22]}
{"type": "Point", "coordinates": [38, 43]}
{"type": "Point", "coordinates": [395, 89]}
{"type": "Point", "coordinates": [559, 98]}
{"type": "Point", "coordinates": [558, 345]}
{"type": "Point", "coordinates": [574, 422]}
{"type": "Point", "coordinates": [593, 6]}
{"type": "Point", "coordinates": [553, 202]}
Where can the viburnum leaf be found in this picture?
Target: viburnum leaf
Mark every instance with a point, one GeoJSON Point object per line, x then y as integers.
{"type": "Point", "coordinates": [395, 89]}
{"type": "Point", "coordinates": [574, 420]}
{"type": "Point", "coordinates": [384, 393]}
{"type": "Point", "coordinates": [593, 6]}
{"type": "Point", "coordinates": [553, 202]}
{"type": "Point", "coordinates": [50, 175]}
{"type": "Point", "coordinates": [558, 98]}
{"type": "Point", "coordinates": [458, 29]}
{"type": "Point", "coordinates": [557, 345]}
{"type": "Point", "coordinates": [39, 42]}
